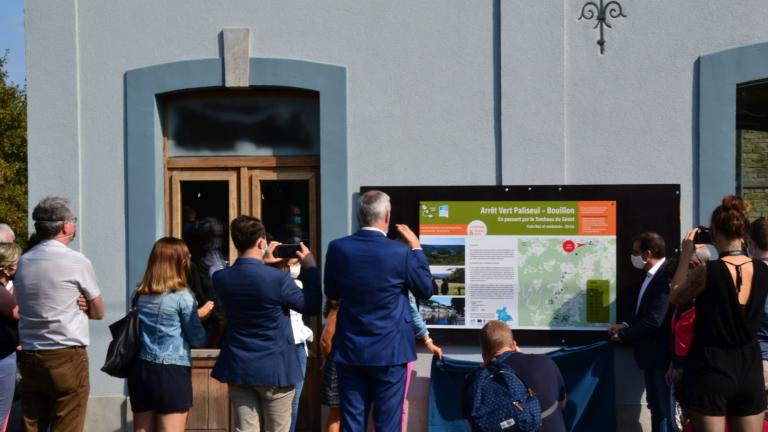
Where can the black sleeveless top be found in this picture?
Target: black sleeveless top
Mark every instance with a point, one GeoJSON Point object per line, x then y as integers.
{"type": "Point", "coordinates": [724, 369]}
{"type": "Point", "coordinates": [720, 320]}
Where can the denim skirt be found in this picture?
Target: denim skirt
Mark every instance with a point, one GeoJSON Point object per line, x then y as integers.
{"type": "Point", "coordinates": [163, 388]}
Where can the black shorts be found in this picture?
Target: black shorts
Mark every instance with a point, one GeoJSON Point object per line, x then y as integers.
{"type": "Point", "coordinates": [724, 382]}
{"type": "Point", "coordinates": [163, 388]}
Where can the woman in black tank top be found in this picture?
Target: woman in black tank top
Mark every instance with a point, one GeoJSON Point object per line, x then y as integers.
{"type": "Point", "coordinates": [722, 378]}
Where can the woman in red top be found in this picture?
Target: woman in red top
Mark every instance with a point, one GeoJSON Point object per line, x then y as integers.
{"type": "Point", "coordinates": [683, 319]}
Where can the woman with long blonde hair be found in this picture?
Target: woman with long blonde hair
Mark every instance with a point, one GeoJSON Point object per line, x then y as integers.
{"type": "Point", "coordinates": [160, 381]}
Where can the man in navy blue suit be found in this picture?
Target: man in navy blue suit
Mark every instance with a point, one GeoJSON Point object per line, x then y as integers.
{"type": "Point", "coordinates": [648, 331]}
{"type": "Point", "coordinates": [371, 275]}
{"type": "Point", "coordinates": [258, 355]}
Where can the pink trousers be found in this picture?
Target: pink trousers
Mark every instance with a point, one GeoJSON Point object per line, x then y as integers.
{"type": "Point", "coordinates": [408, 370]}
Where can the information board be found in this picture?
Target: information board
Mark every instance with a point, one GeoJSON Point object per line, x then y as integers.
{"type": "Point", "coordinates": [532, 264]}
{"type": "Point", "coordinates": [553, 261]}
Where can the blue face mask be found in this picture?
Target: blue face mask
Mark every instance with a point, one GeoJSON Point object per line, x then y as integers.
{"type": "Point", "coordinates": [296, 220]}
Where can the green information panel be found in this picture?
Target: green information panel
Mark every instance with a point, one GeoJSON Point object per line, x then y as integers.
{"type": "Point", "coordinates": [531, 264]}
{"type": "Point", "coordinates": [598, 300]}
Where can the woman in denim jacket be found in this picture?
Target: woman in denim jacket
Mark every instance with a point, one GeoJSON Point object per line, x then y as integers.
{"type": "Point", "coordinates": [160, 382]}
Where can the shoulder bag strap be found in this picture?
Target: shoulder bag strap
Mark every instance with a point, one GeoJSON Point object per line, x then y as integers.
{"type": "Point", "coordinates": [135, 299]}
{"type": "Point", "coordinates": [502, 359]}
{"type": "Point", "coordinates": [549, 411]}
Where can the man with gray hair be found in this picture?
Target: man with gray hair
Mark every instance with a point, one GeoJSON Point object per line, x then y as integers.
{"type": "Point", "coordinates": [53, 330]}
{"type": "Point", "coordinates": [371, 275]}
{"type": "Point", "coordinates": [6, 234]}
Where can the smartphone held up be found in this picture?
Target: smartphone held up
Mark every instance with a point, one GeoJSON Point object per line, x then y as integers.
{"type": "Point", "coordinates": [287, 251]}
{"type": "Point", "coordinates": [702, 236]}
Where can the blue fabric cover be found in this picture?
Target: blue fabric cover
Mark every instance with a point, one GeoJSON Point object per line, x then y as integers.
{"type": "Point", "coordinates": [589, 383]}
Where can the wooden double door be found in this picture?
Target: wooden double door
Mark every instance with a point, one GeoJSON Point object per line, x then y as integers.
{"type": "Point", "coordinates": [202, 196]}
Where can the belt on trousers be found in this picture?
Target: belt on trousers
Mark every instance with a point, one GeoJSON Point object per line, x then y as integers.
{"type": "Point", "coordinates": [74, 347]}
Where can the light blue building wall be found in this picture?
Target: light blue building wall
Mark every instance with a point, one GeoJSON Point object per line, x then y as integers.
{"type": "Point", "coordinates": [424, 93]}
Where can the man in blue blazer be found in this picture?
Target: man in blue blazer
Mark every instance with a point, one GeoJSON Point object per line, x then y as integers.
{"type": "Point", "coordinates": [258, 356]}
{"type": "Point", "coordinates": [648, 331]}
{"type": "Point", "coordinates": [371, 276]}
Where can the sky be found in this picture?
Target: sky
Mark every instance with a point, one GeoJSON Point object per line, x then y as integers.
{"type": "Point", "coordinates": [12, 38]}
{"type": "Point", "coordinates": [442, 241]}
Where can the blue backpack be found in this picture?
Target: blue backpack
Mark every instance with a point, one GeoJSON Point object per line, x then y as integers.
{"type": "Point", "coordinates": [496, 399]}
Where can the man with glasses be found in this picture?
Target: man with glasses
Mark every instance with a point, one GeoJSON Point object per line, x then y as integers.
{"type": "Point", "coordinates": [53, 329]}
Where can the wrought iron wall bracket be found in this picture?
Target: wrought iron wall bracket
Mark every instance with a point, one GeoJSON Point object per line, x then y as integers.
{"type": "Point", "coordinates": [601, 12]}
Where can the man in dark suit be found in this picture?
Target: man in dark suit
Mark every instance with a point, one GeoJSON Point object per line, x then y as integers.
{"type": "Point", "coordinates": [648, 331]}
{"type": "Point", "coordinates": [371, 276]}
{"type": "Point", "coordinates": [258, 356]}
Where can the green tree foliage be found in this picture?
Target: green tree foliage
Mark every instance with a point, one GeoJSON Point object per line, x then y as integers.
{"type": "Point", "coordinates": [13, 154]}
{"type": "Point", "coordinates": [457, 276]}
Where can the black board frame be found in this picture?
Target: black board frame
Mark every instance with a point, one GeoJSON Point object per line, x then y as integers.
{"type": "Point", "coordinates": [639, 207]}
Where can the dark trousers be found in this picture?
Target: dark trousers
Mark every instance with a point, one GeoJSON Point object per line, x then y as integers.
{"type": "Point", "coordinates": [363, 386]}
{"type": "Point", "coordinates": [657, 395]}
{"type": "Point", "coordinates": [54, 389]}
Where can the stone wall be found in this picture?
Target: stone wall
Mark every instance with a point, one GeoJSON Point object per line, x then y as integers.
{"type": "Point", "coordinates": [754, 169]}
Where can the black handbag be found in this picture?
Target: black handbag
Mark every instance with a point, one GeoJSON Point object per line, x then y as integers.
{"type": "Point", "coordinates": [125, 343]}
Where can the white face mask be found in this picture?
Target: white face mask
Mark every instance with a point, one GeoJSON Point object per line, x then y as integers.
{"type": "Point", "coordinates": [638, 262]}
{"type": "Point", "coordinates": [295, 270]}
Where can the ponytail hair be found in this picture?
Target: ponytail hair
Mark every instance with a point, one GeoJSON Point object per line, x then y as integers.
{"type": "Point", "coordinates": [730, 217]}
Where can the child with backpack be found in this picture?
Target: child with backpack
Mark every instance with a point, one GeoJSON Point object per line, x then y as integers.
{"type": "Point", "coordinates": [513, 391]}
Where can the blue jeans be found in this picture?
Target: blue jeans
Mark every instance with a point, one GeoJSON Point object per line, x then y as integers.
{"type": "Point", "coordinates": [302, 354]}
{"type": "Point", "coordinates": [7, 386]}
{"type": "Point", "coordinates": [657, 395]}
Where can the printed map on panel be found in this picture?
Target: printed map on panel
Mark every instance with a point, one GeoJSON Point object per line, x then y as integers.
{"type": "Point", "coordinates": [566, 282]}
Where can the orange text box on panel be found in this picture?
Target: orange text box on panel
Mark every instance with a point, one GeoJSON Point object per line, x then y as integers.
{"type": "Point", "coordinates": [597, 218]}
{"type": "Point", "coordinates": [447, 229]}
